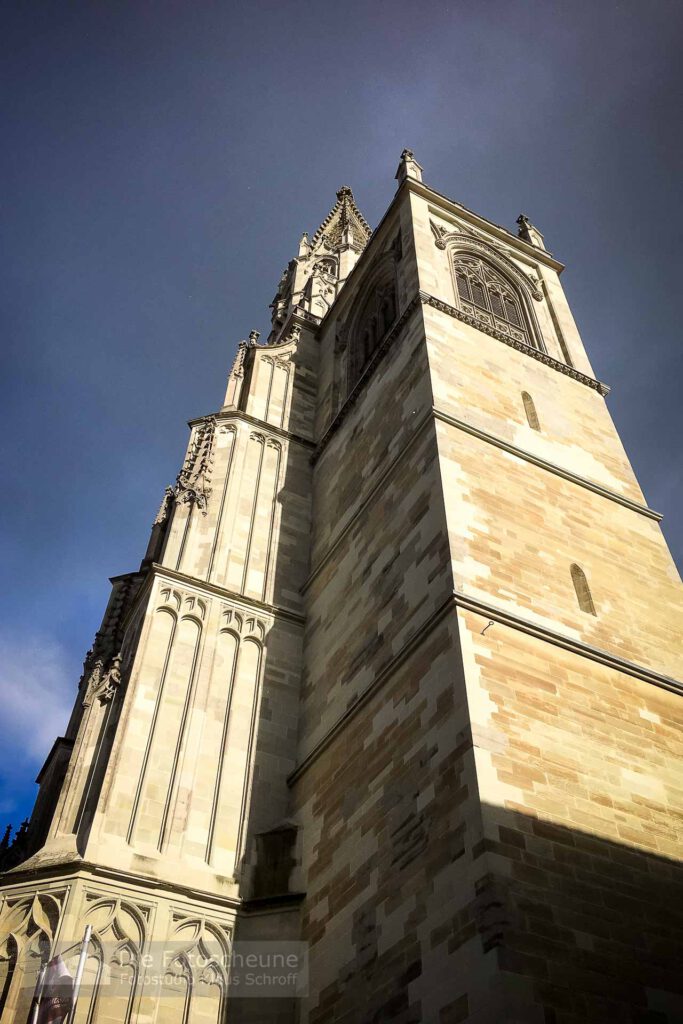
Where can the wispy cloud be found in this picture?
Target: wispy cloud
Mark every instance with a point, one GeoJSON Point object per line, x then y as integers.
{"type": "Point", "coordinates": [36, 691]}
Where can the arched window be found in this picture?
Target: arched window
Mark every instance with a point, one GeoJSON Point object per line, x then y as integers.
{"type": "Point", "coordinates": [376, 318]}
{"type": "Point", "coordinates": [326, 266]}
{"type": "Point", "coordinates": [583, 593]}
{"type": "Point", "coordinates": [488, 296]}
{"type": "Point", "coordinates": [530, 410]}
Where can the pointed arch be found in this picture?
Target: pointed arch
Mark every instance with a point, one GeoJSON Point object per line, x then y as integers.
{"type": "Point", "coordinates": [530, 410]}
{"type": "Point", "coordinates": [8, 963]}
{"type": "Point", "coordinates": [583, 591]}
{"type": "Point", "coordinates": [492, 290]}
{"type": "Point", "coordinates": [176, 991]}
{"type": "Point", "coordinates": [376, 312]}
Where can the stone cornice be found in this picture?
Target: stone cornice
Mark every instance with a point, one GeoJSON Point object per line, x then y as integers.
{"type": "Point", "coordinates": [424, 298]}
{"type": "Point", "coordinates": [552, 467]}
{"type": "Point", "coordinates": [227, 414]}
{"type": "Point", "coordinates": [277, 611]}
{"type": "Point", "coordinates": [613, 661]}
{"type": "Point", "coordinates": [71, 869]}
{"type": "Point", "coordinates": [534, 353]}
{"type": "Point", "coordinates": [457, 209]}
{"type": "Point", "coordinates": [489, 611]}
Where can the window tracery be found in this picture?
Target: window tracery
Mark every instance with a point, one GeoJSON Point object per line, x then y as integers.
{"type": "Point", "coordinates": [491, 298]}
{"type": "Point", "coordinates": [376, 318]}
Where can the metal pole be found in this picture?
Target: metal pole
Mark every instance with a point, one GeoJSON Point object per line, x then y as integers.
{"type": "Point", "coordinates": [79, 970]}
{"type": "Point", "coordinates": [38, 994]}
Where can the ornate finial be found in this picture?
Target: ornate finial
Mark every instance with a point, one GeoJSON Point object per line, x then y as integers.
{"type": "Point", "coordinates": [345, 193]}
{"type": "Point", "coordinates": [408, 167]}
{"type": "Point", "coordinates": [4, 843]}
{"type": "Point", "coordinates": [528, 233]}
{"type": "Point", "coordinates": [254, 337]}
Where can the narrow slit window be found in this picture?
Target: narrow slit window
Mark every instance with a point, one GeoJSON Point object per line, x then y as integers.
{"type": "Point", "coordinates": [530, 410]}
{"type": "Point", "coordinates": [583, 592]}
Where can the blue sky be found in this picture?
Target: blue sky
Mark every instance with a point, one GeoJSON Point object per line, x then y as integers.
{"type": "Point", "coordinates": [159, 162]}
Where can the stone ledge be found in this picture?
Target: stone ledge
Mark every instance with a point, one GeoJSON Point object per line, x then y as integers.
{"type": "Point", "coordinates": [459, 600]}
{"type": "Point", "coordinates": [534, 353]}
{"type": "Point", "coordinates": [613, 661]}
{"type": "Point", "coordinates": [224, 415]}
{"type": "Point", "coordinates": [277, 611]}
{"type": "Point", "coordinates": [552, 467]}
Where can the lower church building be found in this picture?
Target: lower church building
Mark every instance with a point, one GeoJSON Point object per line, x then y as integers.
{"type": "Point", "coordinates": [397, 683]}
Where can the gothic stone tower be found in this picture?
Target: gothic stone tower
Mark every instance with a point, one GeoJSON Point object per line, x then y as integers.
{"type": "Point", "coordinates": [397, 675]}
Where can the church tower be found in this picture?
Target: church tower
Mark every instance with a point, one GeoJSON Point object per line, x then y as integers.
{"type": "Point", "coordinates": [398, 678]}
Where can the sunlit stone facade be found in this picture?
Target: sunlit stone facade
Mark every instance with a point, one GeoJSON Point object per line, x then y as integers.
{"type": "Point", "coordinates": [398, 676]}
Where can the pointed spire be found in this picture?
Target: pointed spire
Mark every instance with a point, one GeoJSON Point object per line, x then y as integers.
{"type": "Point", "coordinates": [344, 225]}
{"type": "Point", "coordinates": [408, 167]}
{"type": "Point", "coordinates": [5, 841]}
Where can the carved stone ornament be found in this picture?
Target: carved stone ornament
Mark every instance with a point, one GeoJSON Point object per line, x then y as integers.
{"type": "Point", "coordinates": [165, 507]}
{"type": "Point", "coordinates": [111, 682]}
{"type": "Point", "coordinates": [452, 239]}
{"type": "Point", "coordinates": [193, 482]}
{"type": "Point", "coordinates": [238, 365]}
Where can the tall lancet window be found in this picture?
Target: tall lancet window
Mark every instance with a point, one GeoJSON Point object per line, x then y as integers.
{"type": "Point", "coordinates": [583, 592]}
{"type": "Point", "coordinates": [490, 298]}
{"type": "Point", "coordinates": [377, 316]}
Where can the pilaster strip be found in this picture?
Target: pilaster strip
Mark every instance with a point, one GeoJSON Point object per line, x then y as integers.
{"type": "Point", "coordinates": [536, 460]}
{"type": "Point", "coordinates": [613, 661]}
{"type": "Point", "coordinates": [277, 611]}
{"type": "Point", "coordinates": [528, 350]}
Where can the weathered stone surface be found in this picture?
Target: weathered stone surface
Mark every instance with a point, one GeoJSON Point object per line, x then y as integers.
{"type": "Point", "coordinates": [399, 674]}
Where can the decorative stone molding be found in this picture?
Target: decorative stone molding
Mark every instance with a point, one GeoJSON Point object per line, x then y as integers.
{"type": "Point", "coordinates": [542, 357]}
{"type": "Point", "coordinates": [165, 507]}
{"type": "Point", "coordinates": [452, 239]}
{"type": "Point", "coordinates": [192, 484]}
{"type": "Point", "coordinates": [237, 599]}
{"type": "Point", "coordinates": [182, 602]}
{"type": "Point", "coordinates": [102, 667]}
{"type": "Point", "coordinates": [246, 626]}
